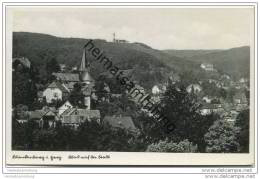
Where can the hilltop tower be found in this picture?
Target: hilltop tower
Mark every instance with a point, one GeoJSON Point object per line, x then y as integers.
{"type": "Point", "coordinates": [114, 37]}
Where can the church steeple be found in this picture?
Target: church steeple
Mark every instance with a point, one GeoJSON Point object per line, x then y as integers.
{"type": "Point", "coordinates": [84, 69]}
{"type": "Point", "coordinates": [84, 62]}
{"type": "Point", "coordinates": [86, 79]}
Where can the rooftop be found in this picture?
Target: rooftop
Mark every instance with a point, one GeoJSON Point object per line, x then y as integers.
{"type": "Point", "coordinates": [68, 77]}
{"type": "Point", "coordinates": [82, 112]}
{"type": "Point", "coordinates": [124, 122]}
{"type": "Point", "coordinates": [58, 85]}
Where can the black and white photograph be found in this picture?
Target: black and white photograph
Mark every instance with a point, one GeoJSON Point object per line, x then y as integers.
{"type": "Point", "coordinates": [142, 81]}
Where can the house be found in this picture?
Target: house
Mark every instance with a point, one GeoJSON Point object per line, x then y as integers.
{"type": "Point", "coordinates": [115, 95]}
{"type": "Point", "coordinates": [75, 68]}
{"type": "Point", "coordinates": [40, 96]}
{"type": "Point", "coordinates": [218, 108]}
{"type": "Point", "coordinates": [55, 91]}
{"type": "Point", "coordinates": [69, 85]}
{"type": "Point", "coordinates": [74, 117]}
{"type": "Point", "coordinates": [62, 67]}
{"type": "Point", "coordinates": [240, 98]}
{"type": "Point", "coordinates": [208, 108]}
{"type": "Point", "coordinates": [243, 80]}
{"type": "Point", "coordinates": [234, 113]}
{"type": "Point", "coordinates": [196, 88]}
{"type": "Point", "coordinates": [225, 77]}
{"type": "Point", "coordinates": [229, 119]}
{"type": "Point", "coordinates": [174, 78]}
{"type": "Point", "coordinates": [45, 118]}
{"type": "Point", "coordinates": [156, 99]}
{"type": "Point", "coordinates": [49, 119]}
{"type": "Point", "coordinates": [66, 77]}
{"type": "Point", "coordinates": [120, 41]}
{"type": "Point", "coordinates": [64, 107]}
{"type": "Point", "coordinates": [155, 90]}
{"type": "Point", "coordinates": [207, 66]}
{"type": "Point", "coordinates": [122, 122]}
{"type": "Point", "coordinates": [241, 107]}
{"type": "Point", "coordinates": [36, 116]}
{"type": "Point", "coordinates": [207, 99]}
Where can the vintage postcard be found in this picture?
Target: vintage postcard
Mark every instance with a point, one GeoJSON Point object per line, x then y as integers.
{"type": "Point", "coordinates": [130, 85]}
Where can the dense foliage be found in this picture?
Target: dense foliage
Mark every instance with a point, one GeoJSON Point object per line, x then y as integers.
{"type": "Point", "coordinates": [165, 146]}
{"type": "Point", "coordinates": [90, 136]}
{"type": "Point", "coordinates": [242, 123]}
{"type": "Point", "coordinates": [222, 137]}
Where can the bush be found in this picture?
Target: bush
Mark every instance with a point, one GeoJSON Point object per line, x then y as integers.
{"type": "Point", "coordinates": [222, 137]}
{"type": "Point", "coordinates": [167, 146]}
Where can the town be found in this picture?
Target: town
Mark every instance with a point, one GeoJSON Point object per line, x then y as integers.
{"type": "Point", "coordinates": [71, 98]}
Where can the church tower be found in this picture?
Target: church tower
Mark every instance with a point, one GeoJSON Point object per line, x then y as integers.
{"type": "Point", "coordinates": [84, 70]}
{"type": "Point", "coordinates": [85, 79]}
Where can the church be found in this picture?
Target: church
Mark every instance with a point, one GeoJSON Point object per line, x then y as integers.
{"type": "Point", "coordinates": [61, 88]}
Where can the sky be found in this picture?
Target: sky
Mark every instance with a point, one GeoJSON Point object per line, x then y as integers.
{"type": "Point", "coordinates": [160, 28]}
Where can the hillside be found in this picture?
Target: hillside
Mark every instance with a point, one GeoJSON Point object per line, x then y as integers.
{"type": "Point", "coordinates": [150, 66]}
{"type": "Point", "coordinates": [234, 62]}
{"type": "Point", "coordinates": [188, 53]}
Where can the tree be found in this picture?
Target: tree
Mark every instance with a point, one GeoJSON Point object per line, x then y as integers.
{"type": "Point", "coordinates": [44, 139]}
{"type": "Point", "coordinates": [64, 137]}
{"type": "Point", "coordinates": [18, 135]}
{"type": "Point", "coordinates": [95, 137]}
{"type": "Point", "coordinates": [168, 146]}
{"type": "Point", "coordinates": [182, 109]}
{"type": "Point", "coordinates": [221, 137]}
{"type": "Point", "coordinates": [230, 94]}
{"type": "Point", "coordinates": [51, 66]}
{"type": "Point", "coordinates": [242, 122]}
{"type": "Point", "coordinates": [29, 130]}
{"type": "Point", "coordinates": [76, 96]}
{"type": "Point", "coordinates": [21, 111]}
{"type": "Point", "coordinates": [24, 89]}
{"type": "Point", "coordinates": [223, 93]}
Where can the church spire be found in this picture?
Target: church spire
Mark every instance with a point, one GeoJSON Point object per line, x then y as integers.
{"type": "Point", "coordinates": [84, 62]}
{"type": "Point", "coordinates": [84, 69]}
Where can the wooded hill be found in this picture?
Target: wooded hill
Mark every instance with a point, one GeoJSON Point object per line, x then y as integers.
{"type": "Point", "coordinates": [234, 61]}
{"type": "Point", "coordinates": [150, 66]}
